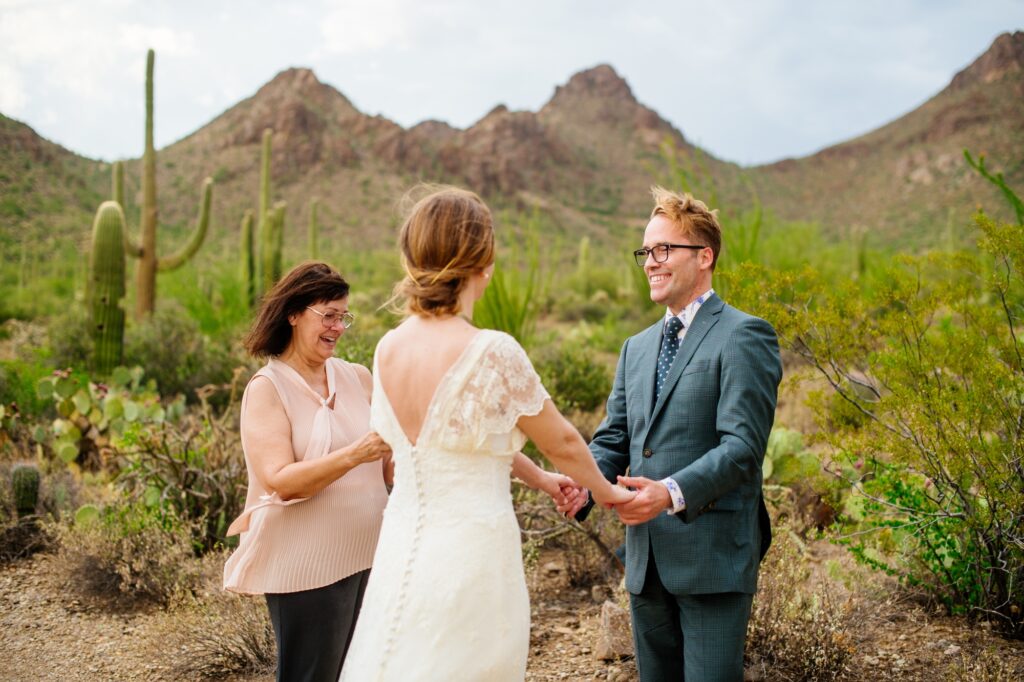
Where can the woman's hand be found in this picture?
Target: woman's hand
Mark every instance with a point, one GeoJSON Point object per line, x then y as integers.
{"type": "Point", "coordinates": [612, 495]}
{"type": "Point", "coordinates": [560, 488]}
{"type": "Point", "coordinates": [369, 448]}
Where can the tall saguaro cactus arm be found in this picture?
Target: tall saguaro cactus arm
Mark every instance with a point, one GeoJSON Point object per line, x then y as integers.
{"type": "Point", "coordinates": [198, 235]}
{"type": "Point", "coordinates": [248, 260]}
{"type": "Point", "coordinates": [106, 286]}
{"type": "Point", "coordinates": [145, 250]}
{"type": "Point", "coordinates": [131, 248]}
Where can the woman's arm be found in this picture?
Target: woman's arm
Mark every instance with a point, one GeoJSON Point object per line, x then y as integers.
{"type": "Point", "coordinates": [266, 435]}
{"type": "Point", "coordinates": [562, 444]}
{"type": "Point", "coordinates": [562, 489]}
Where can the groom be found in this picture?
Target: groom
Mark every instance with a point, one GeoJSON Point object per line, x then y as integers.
{"type": "Point", "coordinates": [689, 415]}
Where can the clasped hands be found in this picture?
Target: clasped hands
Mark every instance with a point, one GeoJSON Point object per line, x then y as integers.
{"type": "Point", "coordinates": [651, 499]}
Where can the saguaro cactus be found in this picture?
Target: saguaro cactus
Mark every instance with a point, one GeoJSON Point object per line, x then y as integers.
{"type": "Point", "coordinates": [117, 183]}
{"type": "Point", "coordinates": [265, 246]}
{"type": "Point", "coordinates": [25, 485]}
{"type": "Point", "coordinates": [273, 241]}
{"type": "Point", "coordinates": [106, 286]}
{"type": "Point", "coordinates": [248, 260]}
{"type": "Point", "coordinates": [149, 262]}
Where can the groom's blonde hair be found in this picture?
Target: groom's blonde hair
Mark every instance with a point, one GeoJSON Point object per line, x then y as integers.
{"type": "Point", "coordinates": [447, 237]}
{"type": "Point", "coordinates": [692, 216]}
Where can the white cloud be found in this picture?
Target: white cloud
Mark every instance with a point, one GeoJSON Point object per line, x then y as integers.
{"type": "Point", "coordinates": [366, 26]}
{"type": "Point", "coordinates": [13, 97]}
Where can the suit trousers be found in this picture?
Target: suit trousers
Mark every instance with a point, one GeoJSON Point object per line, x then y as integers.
{"type": "Point", "coordinates": [695, 637]}
{"type": "Point", "coordinates": [313, 628]}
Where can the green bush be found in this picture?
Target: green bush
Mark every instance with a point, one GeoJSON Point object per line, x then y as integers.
{"type": "Point", "coordinates": [575, 379]}
{"type": "Point", "coordinates": [176, 354]}
{"type": "Point", "coordinates": [931, 362]}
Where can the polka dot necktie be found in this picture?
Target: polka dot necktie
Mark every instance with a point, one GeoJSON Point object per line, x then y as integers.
{"type": "Point", "coordinates": [669, 348]}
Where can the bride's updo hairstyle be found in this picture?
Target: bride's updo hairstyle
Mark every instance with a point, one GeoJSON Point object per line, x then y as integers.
{"type": "Point", "coordinates": [447, 237]}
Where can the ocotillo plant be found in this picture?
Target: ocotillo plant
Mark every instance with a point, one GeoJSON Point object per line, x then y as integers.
{"type": "Point", "coordinates": [106, 287]}
{"type": "Point", "coordinates": [25, 486]}
{"type": "Point", "coordinates": [149, 262]}
{"type": "Point", "coordinates": [314, 231]}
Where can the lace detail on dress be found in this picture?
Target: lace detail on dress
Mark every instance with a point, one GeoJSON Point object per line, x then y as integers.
{"type": "Point", "coordinates": [494, 392]}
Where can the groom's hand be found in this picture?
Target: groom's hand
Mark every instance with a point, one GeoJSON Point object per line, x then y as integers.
{"type": "Point", "coordinates": [651, 499]}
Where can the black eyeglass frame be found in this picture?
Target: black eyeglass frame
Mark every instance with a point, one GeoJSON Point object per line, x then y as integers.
{"type": "Point", "coordinates": [641, 254]}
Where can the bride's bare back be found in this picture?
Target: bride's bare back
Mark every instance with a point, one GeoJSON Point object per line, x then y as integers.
{"type": "Point", "coordinates": [413, 359]}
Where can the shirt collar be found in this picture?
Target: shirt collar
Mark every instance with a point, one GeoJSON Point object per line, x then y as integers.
{"type": "Point", "coordinates": [687, 314]}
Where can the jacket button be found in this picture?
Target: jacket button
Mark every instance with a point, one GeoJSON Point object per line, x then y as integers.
{"type": "Point", "coordinates": [647, 452]}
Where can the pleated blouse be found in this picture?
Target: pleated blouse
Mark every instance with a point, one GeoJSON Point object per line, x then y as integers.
{"type": "Point", "coordinates": [294, 545]}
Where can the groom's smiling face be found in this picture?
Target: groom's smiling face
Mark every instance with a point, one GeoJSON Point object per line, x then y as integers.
{"type": "Point", "coordinates": [675, 282]}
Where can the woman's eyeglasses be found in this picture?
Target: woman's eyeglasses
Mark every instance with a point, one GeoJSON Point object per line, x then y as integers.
{"type": "Point", "coordinates": [330, 320]}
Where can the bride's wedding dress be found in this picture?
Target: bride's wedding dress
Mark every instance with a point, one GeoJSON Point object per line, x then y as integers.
{"type": "Point", "coordinates": [446, 598]}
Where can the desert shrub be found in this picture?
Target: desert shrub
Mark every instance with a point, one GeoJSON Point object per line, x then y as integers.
{"type": "Point", "coordinates": [18, 380]}
{"type": "Point", "coordinates": [932, 362]}
{"type": "Point", "coordinates": [176, 354]}
{"type": "Point", "coordinates": [126, 556]}
{"type": "Point", "coordinates": [574, 377]}
{"type": "Point", "coordinates": [21, 538]}
{"type": "Point", "coordinates": [192, 468]}
{"type": "Point", "coordinates": [70, 337]}
{"type": "Point", "coordinates": [795, 633]}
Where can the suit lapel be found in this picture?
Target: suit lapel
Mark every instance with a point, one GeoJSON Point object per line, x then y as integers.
{"type": "Point", "coordinates": [706, 318]}
{"type": "Point", "coordinates": [646, 362]}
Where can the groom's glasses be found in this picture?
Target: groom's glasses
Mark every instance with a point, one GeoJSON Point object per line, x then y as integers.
{"type": "Point", "coordinates": [660, 252]}
{"type": "Point", "coordinates": [329, 320]}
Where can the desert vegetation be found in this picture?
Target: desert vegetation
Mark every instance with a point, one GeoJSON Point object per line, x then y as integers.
{"type": "Point", "coordinates": [895, 474]}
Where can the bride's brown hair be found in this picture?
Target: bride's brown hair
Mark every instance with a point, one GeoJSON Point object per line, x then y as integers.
{"type": "Point", "coordinates": [447, 237]}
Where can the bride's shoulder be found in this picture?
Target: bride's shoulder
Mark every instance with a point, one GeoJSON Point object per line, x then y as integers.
{"type": "Point", "coordinates": [502, 345]}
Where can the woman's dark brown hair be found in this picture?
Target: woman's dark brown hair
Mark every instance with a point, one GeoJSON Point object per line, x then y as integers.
{"type": "Point", "coordinates": [447, 238]}
{"type": "Point", "coordinates": [307, 283]}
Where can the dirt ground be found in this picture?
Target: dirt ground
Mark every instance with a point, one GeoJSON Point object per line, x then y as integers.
{"type": "Point", "coordinates": [45, 634]}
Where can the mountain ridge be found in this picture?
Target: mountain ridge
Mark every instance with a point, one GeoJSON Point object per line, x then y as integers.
{"type": "Point", "coordinates": [586, 158]}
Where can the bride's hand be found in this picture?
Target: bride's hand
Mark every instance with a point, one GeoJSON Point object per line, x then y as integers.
{"type": "Point", "coordinates": [562, 489]}
{"type": "Point", "coordinates": [612, 495]}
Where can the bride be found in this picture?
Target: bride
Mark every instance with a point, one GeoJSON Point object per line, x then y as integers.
{"type": "Point", "coordinates": [446, 599]}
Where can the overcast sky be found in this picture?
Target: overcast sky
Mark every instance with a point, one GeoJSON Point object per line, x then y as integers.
{"type": "Point", "coordinates": [751, 81]}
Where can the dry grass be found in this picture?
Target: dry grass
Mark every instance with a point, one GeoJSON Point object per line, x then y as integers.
{"type": "Point", "coordinates": [796, 632]}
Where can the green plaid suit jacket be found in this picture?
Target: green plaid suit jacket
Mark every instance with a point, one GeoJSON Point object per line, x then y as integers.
{"type": "Point", "coordinates": [708, 430]}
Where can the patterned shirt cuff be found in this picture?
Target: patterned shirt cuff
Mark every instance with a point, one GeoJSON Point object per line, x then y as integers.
{"type": "Point", "coordinates": [678, 501]}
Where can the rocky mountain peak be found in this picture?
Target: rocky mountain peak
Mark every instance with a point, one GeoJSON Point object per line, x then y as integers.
{"type": "Point", "coordinates": [1003, 58]}
{"type": "Point", "coordinates": [600, 81]}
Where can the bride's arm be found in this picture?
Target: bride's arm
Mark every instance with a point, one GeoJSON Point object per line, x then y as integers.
{"type": "Point", "coordinates": [562, 444]}
{"type": "Point", "coordinates": [562, 489]}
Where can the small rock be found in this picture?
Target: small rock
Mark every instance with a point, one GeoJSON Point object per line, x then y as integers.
{"type": "Point", "coordinates": [615, 636]}
{"type": "Point", "coordinates": [554, 567]}
{"type": "Point", "coordinates": [953, 650]}
{"type": "Point", "coordinates": [598, 593]}
{"type": "Point", "coordinates": [753, 674]}
{"type": "Point", "coordinates": [563, 630]}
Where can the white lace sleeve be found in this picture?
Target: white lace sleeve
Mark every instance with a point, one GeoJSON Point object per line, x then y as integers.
{"type": "Point", "coordinates": [502, 388]}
